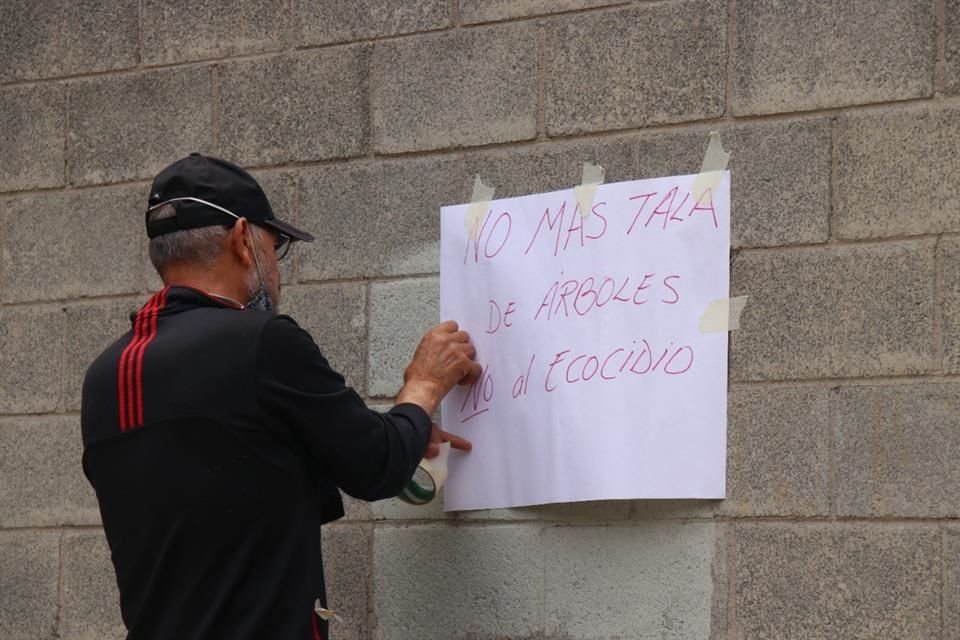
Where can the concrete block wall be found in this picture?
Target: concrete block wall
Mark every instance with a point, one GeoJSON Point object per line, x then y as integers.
{"type": "Point", "coordinates": [362, 118]}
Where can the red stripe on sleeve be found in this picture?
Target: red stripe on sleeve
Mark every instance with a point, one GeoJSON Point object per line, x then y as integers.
{"type": "Point", "coordinates": [151, 332]}
{"type": "Point", "coordinates": [128, 363]}
{"type": "Point", "coordinates": [123, 378]}
{"type": "Point", "coordinates": [131, 362]}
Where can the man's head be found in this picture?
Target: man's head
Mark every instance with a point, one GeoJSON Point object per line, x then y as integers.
{"type": "Point", "coordinates": [211, 226]}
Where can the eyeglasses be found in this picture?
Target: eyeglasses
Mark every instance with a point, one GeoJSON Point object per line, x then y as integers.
{"type": "Point", "coordinates": [281, 246]}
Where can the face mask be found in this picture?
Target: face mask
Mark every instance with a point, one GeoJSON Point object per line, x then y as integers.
{"type": "Point", "coordinates": [261, 300]}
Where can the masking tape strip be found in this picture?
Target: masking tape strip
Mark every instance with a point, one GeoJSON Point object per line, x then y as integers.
{"type": "Point", "coordinates": [420, 492]}
{"type": "Point", "coordinates": [593, 175]}
{"type": "Point", "coordinates": [711, 169]}
{"type": "Point", "coordinates": [479, 204]}
{"type": "Point", "coordinates": [325, 614]}
{"type": "Point", "coordinates": [722, 315]}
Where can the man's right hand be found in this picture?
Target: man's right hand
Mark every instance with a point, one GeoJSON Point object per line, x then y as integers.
{"type": "Point", "coordinates": [444, 358]}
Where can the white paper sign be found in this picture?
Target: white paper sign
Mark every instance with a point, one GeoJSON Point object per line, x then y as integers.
{"type": "Point", "coordinates": [597, 383]}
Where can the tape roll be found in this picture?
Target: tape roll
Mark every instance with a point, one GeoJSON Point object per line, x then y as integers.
{"type": "Point", "coordinates": [428, 479]}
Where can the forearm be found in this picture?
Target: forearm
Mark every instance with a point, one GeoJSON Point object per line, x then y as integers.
{"type": "Point", "coordinates": [391, 453]}
{"type": "Point", "coordinates": [423, 393]}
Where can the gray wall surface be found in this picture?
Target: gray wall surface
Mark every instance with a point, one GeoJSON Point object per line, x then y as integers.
{"type": "Point", "coordinates": [362, 118]}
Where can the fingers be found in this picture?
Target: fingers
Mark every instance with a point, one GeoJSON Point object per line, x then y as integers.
{"type": "Point", "coordinates": [474, 371]}
{"type": "Point", "coordinates": [447, 326]}
{"type": "Point", "coordinates": [438, 435]}
{"type": "Point", "coordinates": [456, 442]}
{"type": "Point", "coordinates": [466, 347]}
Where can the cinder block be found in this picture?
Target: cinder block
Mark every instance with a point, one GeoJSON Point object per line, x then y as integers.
{"type": "Point", "coordinates": [780, 174]}
{"type": "Point", "coordinates": [550, 167]}
{"type": "Point", "coordinates": [642, 510]}
{"type": "Point", "coordinates": [623, 69]}
{"type": "Point", "coordinates": [799, 56]}
{"type": "Point", "coordinates": [455, 89]}
{"type": "Point", "coordinates": [305, 106]}
{"type": "Point", "coordinates": [948, 257]}
{"type": "Point", "coordinates": [863, 310]}
{"type": "Point", "coordinates": [951, 582]}
{"type": "Point", "coordinates": [827, 581]}
{"type": "Point", "coordinates": [132, 126]}
{"type": "Point", "coordinates": [895, 173]}
{"type": "Point", "coordinates": [41, 480]}
{"type": "Point", "coordinates": [31, 340]}
{"type": "Point", "coordinates": [378, 219]}
{"type": "Point", "coordinates": [650, 581]}
{"type": "Point", "coordinates": [593, 511]}
{"type": "Point", "coordinates": [91, 328]}
{"type": "Point", "coordinates": [90, 605]}
{"type": "Point", "coordinates": [474, 11]}
{"type": "Point", "coordinates": [354, 509]}
{"type": "Point", "coordinates": [335, 315]}
{"type": "Point", "coordinates": [778, 452]}
{"type": "Point", "coordinates": [327, 21]}
{"type": "Point", "coordinates": [440, 582]}
{"type": "Point", "coordinates": [952, 75]}
{"type": "Point", "coordinates": [400, 313]}
{"type": "Point", "coordinates": [33, 121]}
{"type": "Point", "coordinates": [396, 509]}
{"type": "Point", "coordinates": [60, 37]}
{"type": "Point", "coordinates": [29, 566]}
{"type": "Point", "coordinates": [515, 514]}
{"type": "Point", "coordinates": [894, 451]}
{"type": "Point", "coordinates": [182, 30]}
{"type": "Point", "coordinates": [348, 568]}
{"type": "Point", "coordinates": [64, 245]}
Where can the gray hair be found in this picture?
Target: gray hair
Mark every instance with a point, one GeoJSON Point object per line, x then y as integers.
{"type": "Point", "coordinates": [198, 246]}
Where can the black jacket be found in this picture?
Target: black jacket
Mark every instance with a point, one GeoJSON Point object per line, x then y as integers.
{"type": "Point", "coordinates": [215, 439]}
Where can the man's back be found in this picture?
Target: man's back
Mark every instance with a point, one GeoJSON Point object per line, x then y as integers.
{"type": "Point", "coordinates": [215, 439]}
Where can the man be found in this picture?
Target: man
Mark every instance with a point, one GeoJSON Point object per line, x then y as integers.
{"type": "Point", "coordinates": [216, 435]}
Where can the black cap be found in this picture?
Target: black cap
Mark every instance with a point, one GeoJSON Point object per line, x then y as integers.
{"type": "Point", "coordinates": [200, 188]}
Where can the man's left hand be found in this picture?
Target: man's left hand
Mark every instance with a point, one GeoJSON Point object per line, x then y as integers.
{"type": "Point", "coordinates": [438, 436]}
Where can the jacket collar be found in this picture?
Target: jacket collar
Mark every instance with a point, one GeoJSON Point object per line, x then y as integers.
{"type": "Point", "coordinates": [174, 299]}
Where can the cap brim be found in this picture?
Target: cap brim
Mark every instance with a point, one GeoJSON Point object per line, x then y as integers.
{"type": "Point", "coordinates": [288, 229]}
